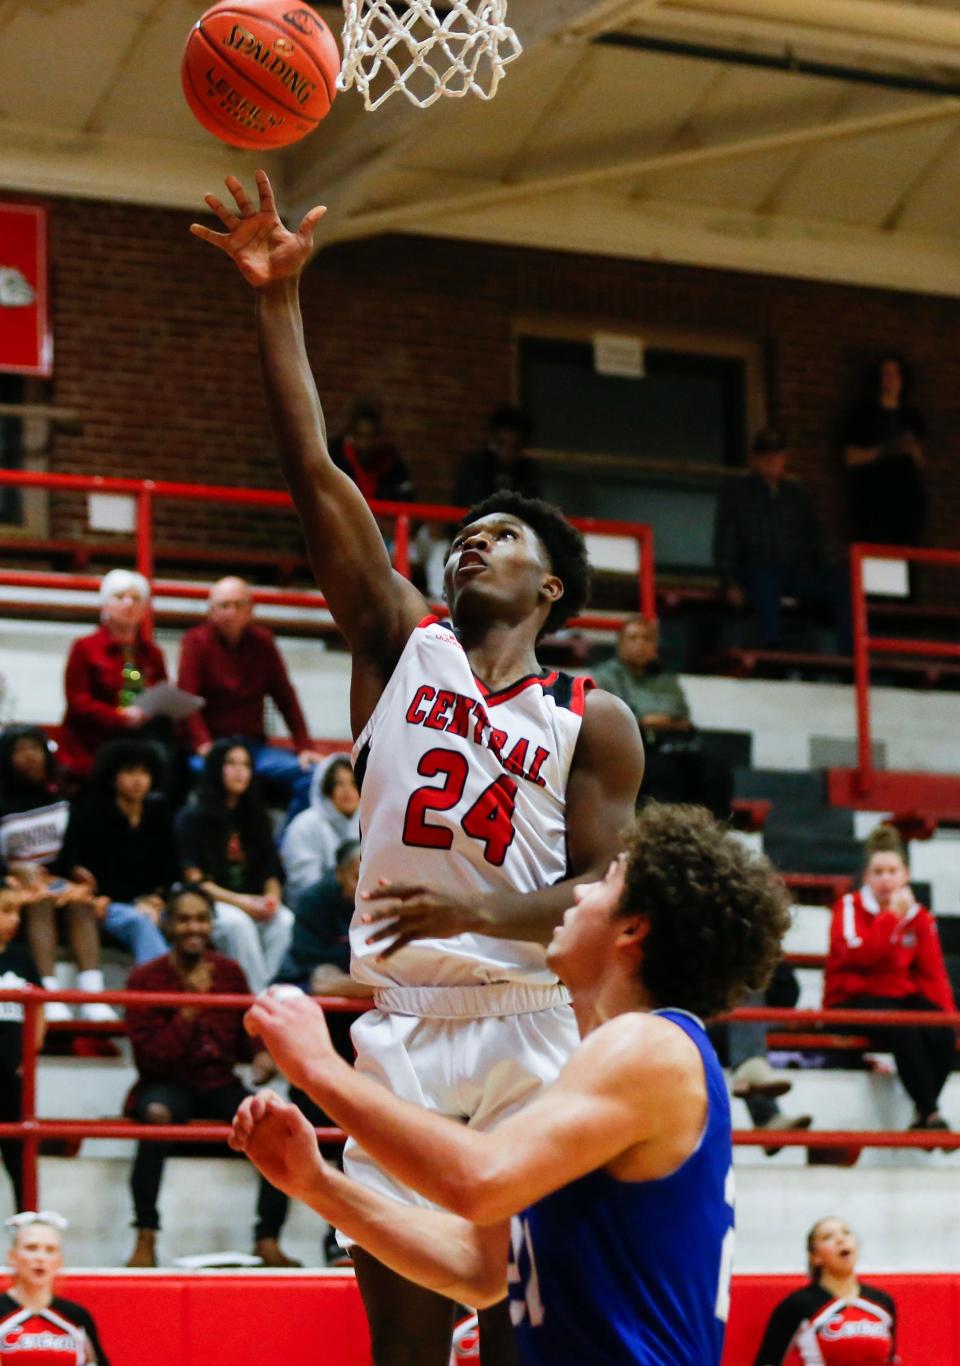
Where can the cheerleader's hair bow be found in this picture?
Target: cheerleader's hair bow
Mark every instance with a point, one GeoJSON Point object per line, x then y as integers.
{"type": "Point", "coordinates": [36, 1216]}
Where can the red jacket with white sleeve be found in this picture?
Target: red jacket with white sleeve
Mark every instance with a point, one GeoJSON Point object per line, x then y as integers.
{"type": "Point", "coordinates": [878, 953]}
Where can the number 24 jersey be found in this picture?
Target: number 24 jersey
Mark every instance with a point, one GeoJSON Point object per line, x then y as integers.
{"type": "Point", "coordinates": [463, 789]}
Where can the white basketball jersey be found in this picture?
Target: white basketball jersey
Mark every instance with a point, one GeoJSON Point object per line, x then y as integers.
{"type": "Point", "coordinates": [463, 790]}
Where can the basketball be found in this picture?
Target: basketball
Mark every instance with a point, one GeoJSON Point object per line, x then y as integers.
{"type": "Point", "coordinates": [260, 73]}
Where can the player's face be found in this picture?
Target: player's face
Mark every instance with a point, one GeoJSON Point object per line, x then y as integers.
{"type": "Point", "coordinates": [885, 875]}
{"type": "Point", "coordinates": [835, 1247]}
{"type": "Point", "coordinates": [580, 948]}
{"type": "Point", "coordinates": [497, 565]}
{"type": "Point", "coordinates": [9, 917]}
{"type": "Point", "coordinates": [191, 925]}
{"type": "Point", "coordinates": [36, 1256]}
{"type": "Point", "coordinates": [29, 759]}
{"type": "Point", "coordinates": [237, 772]}
{"type": "Point", "coordinates": [133, 784]}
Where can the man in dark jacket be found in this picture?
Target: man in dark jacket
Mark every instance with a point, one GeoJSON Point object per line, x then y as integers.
{"type": "Point", "coordinates": [767, 544]}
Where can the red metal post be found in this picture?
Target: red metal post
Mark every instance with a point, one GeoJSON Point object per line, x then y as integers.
{"type": "Point", "coordinates": [28, 1103]}
{"type": "Point", "coordinates": [401, 545]}
{"type": "Point", "coordinates": [647, 571]}
{"type": "Point", "coordinates": [861, 670]}
{"type": "Point", "coordinates": [145, 544]}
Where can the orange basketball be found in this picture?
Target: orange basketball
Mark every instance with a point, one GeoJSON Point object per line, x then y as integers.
{"type": "Point", "coordinates": [260, 73]}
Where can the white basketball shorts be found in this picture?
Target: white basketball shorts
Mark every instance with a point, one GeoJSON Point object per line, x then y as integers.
{"type": "Point", "coordinates": [478, 1070]}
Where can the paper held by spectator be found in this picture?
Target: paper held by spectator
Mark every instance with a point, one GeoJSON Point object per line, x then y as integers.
{"type": "Point", "coordinates": [164, 699]}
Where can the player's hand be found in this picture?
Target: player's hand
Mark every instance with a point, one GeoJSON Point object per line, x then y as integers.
{"type": "Point", "coordinates": [263, 250]}
{"type": "Point", "coordinates": [279, 1142]}
{"type": "Point", "coordinates": [293, 1029]}
{"type": "Point", "coordinates": [405, 911]}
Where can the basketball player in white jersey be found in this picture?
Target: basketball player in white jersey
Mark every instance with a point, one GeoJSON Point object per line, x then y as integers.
{"type": "Point", "coordinates": [489, 786]}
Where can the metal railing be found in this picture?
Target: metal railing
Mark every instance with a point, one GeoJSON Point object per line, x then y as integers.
{"type": "Point", "coordinates": [865, 644]}
{"type": "Point", "coordinates": [32, 1129]}
{"type": "Point", "coordinates": [402, 515]}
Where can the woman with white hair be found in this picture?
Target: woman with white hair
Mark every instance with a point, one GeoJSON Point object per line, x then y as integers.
{"type": "Point", "coordinates": [107, 671]}
{"type": "Point", "coordinates": [37, 1325]}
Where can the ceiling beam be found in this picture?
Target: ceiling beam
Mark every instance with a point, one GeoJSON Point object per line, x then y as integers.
{"type": "Point", "coordinates": [891, 19]}
{"type": "Point", "coordinates": [398, 217]}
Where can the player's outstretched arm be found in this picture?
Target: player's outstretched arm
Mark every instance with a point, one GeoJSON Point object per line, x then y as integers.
{"type": "Point", "coordinates": [634, 1079]}
{"type": "Point", "coordinates": [441, 1251]}
{"type": "Point", "coordinates": [374, 607]}
{"type": "Point", "coordinates": [601, 800]}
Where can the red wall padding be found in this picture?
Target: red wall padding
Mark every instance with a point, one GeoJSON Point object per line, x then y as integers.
{"type": "Point", "coordinates": [250, 1320]}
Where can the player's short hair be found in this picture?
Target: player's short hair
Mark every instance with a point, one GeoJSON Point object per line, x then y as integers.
{"type": "Point", "coordinates": [565, 546]}
{"type": "Point", "coordinates": [717, 911]}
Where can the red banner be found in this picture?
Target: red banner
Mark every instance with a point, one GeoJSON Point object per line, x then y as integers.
{"type": "Point", "coordinates": [26, 342]}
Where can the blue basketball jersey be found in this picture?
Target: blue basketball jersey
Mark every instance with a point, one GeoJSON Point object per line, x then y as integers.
{"type": "Point", "coordinates": [607, 1272]}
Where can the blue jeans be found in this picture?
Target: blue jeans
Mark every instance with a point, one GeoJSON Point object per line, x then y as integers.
{"type": "Point", "coordinates": [135, 931]}
{"type": "Point", "coordinates": [278, 766]}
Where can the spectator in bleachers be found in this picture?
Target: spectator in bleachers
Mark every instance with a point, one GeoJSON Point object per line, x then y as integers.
{"type": "Point", "coordinates": [836, 1318]}
{"type": "Point", "coordinates": [34, 813]}
{"type": "Point", "coordinates": [500, 463]}
{"type": "Point", "coordinates": [119, 845]}
{"type": "Point", "coordinates": [226, 844]}
{"type": "Point", "coordinates": [883, 450]}
{"type": "Point", "coordinates": [234, 665]}
{"type": "Point", "coordinates": [318, 962]}
{"type": "Point", "coordinates": [885, 955]}
{"type": "Point", "coordinates": [186, 1059]}
{"type": "Point", "coordinates": [767, 544]}
{"type": "Point", "coordinates": [370, 459]}
{"type": "Point", "coordinates": [17, 970]}
{"type": "Point", "coordinates": [754, 1081]}
{"type": "Point", "coordinates": [106, 673]}
{"type": "Point", "coordinates": [318, 959]}
{"type": "Point", "coordinates": [311, 840]}
{"type": "Point", "coordinates": [678, 768]}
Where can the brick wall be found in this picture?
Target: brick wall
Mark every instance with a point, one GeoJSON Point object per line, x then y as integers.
{"type": "Point", "coordinates": [155, 347]}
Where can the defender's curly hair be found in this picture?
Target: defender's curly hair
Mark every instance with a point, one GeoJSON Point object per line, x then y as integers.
{"type": "Point", "coordinates": [566, 549]}
{"type": "Point", "coordinates": [717, 912]}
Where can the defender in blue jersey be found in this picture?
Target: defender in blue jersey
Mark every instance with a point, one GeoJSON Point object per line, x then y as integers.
{"type": "Point", "coordinates": [605, 1206]}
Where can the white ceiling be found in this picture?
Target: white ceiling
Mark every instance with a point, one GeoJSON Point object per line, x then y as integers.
{"type": "Point", "coordinates": [595, 142]}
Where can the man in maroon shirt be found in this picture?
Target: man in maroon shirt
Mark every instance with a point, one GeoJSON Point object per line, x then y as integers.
{"type": "Point", "coordinates": [235, 666]}
{"type": "Point", "coordinates": [186, 1060]}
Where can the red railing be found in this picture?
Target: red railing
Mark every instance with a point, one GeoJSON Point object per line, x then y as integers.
{"type": "Point", "coordinates": [32, 1130]}
{"type": "Point", "coordinates": [864, 644]}
{"type": "Point", "coordinates": [146, 491]}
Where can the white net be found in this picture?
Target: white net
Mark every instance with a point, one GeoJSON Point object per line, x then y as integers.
{"type": "Point", "coordinates": [459, 49]}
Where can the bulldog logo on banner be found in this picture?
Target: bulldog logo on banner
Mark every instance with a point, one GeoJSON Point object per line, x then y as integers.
{"type": "Point", "coordinates": [26, 342]}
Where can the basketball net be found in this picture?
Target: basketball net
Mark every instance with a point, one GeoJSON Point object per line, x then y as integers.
{"type": "Point", "coordinates": [390, 46]}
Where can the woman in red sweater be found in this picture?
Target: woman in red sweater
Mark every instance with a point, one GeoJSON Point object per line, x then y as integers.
{"type": "Point", "coordinates": [885, 955]}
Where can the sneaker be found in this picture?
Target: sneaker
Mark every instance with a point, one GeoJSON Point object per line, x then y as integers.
{"type": "Point", "coordinates": [779, 1123]}
{"type": "Point", "coordinates": [756, 1077]}
{"type": "Point", "coordinates": [97, 1012]}
{"type": "Point", "coordinates": [57, 1012]}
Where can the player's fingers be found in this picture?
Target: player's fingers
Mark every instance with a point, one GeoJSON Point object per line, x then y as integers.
{"type": "Point", "coordinates": [310, 220]}
{"type": "Point", "coordinates": [384, 889]}
{"type": "Point", "coordinates": [265, 189]}
{"type": "Point", "coordinates": [401, 941]}
{"type": "Point", "coordinates": [216, 239]}
{"type": "Point", "coordinates": [226, 216]}
{"type": "Point", "coordinates": [244, 203]}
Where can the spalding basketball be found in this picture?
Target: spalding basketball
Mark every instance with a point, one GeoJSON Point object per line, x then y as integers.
{"type": "Point", "coordinates": [260, 73]}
